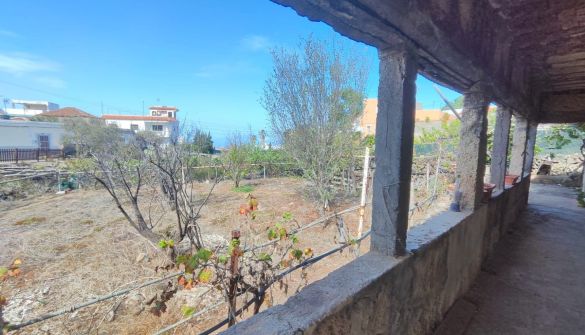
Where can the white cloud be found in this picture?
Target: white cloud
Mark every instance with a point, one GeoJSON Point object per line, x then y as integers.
{"type": "Point", "coordinates": [22, 63]}
{"type": "Point", "coordinates": [31, 68]}
{"type": "Point", "coordinates": [8, 33]}
{"type": "Point", "coordinates": [256, 42]}
{"type": "Point", "coordinates": [50, 82]}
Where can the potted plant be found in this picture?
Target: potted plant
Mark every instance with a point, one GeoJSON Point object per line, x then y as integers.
{"type": "Point", "coordinates": [511, 179]}
{"type": "Point", "coordinates": [487, 191]}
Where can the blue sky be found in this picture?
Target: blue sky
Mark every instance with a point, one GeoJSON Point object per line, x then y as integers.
{"type": "Point", "coordinates": [210, 58]}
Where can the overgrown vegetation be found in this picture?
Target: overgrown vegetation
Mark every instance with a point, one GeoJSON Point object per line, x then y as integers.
{"type": "Point", "coordinates": [237, 158]}
{"type": "Point", "coordinates": [313, 97]}
{"type": "Point", "coordinates": [565, 134]}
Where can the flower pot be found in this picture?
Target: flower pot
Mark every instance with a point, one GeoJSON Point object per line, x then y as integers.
{"type": "Point", "coordinates": [511, 179]}
{"type": "Point", "coordinates": [487, 192]}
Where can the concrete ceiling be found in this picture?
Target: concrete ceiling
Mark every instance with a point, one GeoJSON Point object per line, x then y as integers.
{"type": "Point", "coordinates": [529, 53]}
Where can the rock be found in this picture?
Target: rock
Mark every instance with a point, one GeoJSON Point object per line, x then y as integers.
{"type": "Point", "coordinates": [21, 305]}
{"type": "Point", "coordinates": [141, 256]}
{"type": "Point", "coordinates": [45, 290]}
{"type": "Point", "coordinates": [111, 316]}
{"type": "Point", "coordinates": [197, 297]}
{"type": "Point", "coordinates": [214, 241]}
{"type": "Point", "coordinates": [134, 303]}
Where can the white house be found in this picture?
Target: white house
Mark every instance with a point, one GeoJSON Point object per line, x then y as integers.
{"type": "Point", "coordinates": [162, 121]}
{"type": "Point", "coordinates": [31, 134]}
{"type": "Point", "coordinates": [29, 108]}
{"type": "Point", "coordinates": [25, 134]}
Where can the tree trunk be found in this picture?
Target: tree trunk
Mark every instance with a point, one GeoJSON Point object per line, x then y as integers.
{"type": "Point", "coordinates": [141, 225]}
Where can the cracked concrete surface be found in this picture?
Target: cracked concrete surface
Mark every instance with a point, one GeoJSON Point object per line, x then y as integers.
{"type": "Point", "coordinates": [533, 282]}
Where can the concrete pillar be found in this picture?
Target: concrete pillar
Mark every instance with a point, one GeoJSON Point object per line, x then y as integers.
{"type": "Point", "coordinates": [530, 143]}
{"type": "Point", "coordinates": [500, 147]}
{"type": "Point", "coordinates": [519, 146]}
{"type": "Point", "coordinates": [472, 148]}
{"type": "Point", "coordinates": [394, 145]}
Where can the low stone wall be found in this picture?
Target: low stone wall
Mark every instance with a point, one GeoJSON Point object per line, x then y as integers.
{"type": "Point", "coordinates": [377, 294]}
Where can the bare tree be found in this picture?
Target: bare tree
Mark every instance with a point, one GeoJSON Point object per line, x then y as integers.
{"type": "Point", "coordinates": [313, 97]}
{"type": "Point", "coordinates": [116, 163]}
{"type": "Point", "coordinates": [174, 165]}
{"type": "Point", "coordinates": [126, 165]}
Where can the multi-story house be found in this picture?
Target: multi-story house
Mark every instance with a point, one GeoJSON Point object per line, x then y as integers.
{"type": "Point", "coordinates": [162, 121]}
{"type": "Point", "coordinates": [28, 108]}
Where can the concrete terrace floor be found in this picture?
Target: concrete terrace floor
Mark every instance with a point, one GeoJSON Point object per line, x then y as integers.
{"type": "Point", "coordinates": [534, 283]}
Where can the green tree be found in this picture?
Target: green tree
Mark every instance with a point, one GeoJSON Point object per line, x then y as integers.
{"type": "Point", "coordinates": [202, 142]}
{"type": "Point", "coordinates": [237, 157]}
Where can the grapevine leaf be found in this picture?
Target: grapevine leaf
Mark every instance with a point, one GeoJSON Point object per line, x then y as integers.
{"type": "Point", "coordinates": [297, 254]}
{"type": "Point", "coordinates": [205, 276]}
{"type": "Point", "coordinates": [204, 254]}
{"type": "Point", "coordinates": [287, 216]}
{"type": "Point", "coordinates": [264, 257]}
{"type": "Point", "coordinates": [187, 310]}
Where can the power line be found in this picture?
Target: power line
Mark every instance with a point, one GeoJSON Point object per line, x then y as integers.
{"type": "Point", "coordinates": [94, 103]}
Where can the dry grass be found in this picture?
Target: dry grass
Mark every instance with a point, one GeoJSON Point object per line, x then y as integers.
{"type": "Point", "coordinates": [84, 248]}
{"type": "Point", "coordinates": [31, 220]}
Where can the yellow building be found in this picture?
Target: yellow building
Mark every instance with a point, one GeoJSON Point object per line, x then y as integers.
{"type": "Point", "coordinates": [368, 120]}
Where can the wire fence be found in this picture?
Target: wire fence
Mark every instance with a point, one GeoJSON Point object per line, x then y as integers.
{"type": "Point", "coordinates": [117, 293]}
{"type": "Point", "coordinates": [431, 175]}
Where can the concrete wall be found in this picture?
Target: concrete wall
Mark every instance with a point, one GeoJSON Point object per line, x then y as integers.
{"type": "Point", "coordinates": [377, 294]}
{"type": "Point", "coordinates": [24, 134]}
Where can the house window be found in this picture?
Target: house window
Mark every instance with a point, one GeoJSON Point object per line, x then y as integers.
{"type": "Point", "coordinates": [44, 142]}
{"type": "Point", "coordinates": [170, 114]}
{"type": "Point", "coordinates": [157, 127]}
{"type": "Point", "coordinates": [134, 127]}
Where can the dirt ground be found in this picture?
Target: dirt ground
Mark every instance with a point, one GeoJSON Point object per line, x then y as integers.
{"type": "Point", "coordinates": [77, 246]}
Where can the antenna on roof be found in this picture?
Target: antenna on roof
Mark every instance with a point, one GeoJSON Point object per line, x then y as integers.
{"type": "Point", "coordinates": [447, 102]}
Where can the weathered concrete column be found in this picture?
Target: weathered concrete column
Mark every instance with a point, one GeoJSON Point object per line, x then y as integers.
{"type": "Point", "coordinates": [394, 145]}
{"type": "Point", "coordinates": [530, 143]}
{"type": "Point", "coordinates": [472, 148]}
{"type": "Point", "coordinates": [519, 146]}
{"type": "Point", "coordinates": [500, 147]}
